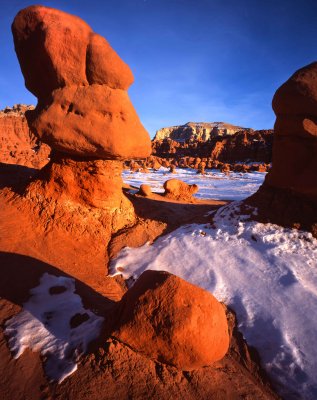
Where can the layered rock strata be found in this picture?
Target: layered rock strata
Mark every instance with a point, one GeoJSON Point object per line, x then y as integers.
{"type": "Point", "coordinates": [241, 147]}
{"type": "Point", "coordinates": [197, 131]}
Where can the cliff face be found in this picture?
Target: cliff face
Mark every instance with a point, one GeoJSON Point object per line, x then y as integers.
{"type": "Point", "coordinates": [242, 146]}
{"type": "Point", "coordinates": [18, 145]}
{"type": "Point", "coordinates": [198, 131]}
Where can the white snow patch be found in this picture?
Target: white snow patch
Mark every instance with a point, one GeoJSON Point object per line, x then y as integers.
{"type": "Point", "coordinates": [267, 274]}
{"type": "Point", "coordinates": [44, 326]}
{"type": "Point", "coordinates": [214, 185]}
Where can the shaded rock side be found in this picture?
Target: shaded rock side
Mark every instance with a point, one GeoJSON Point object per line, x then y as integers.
{"type": "Point", "coordinates": [18, 144]}
{"type": "Point", "coordinates": [295, 139]}
{"type": "Point", "coordinates": [289, 193]}
{"type": "Point", "coordinates": [173, 321]}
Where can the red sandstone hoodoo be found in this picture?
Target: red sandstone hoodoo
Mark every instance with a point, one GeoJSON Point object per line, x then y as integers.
{"type": "Point", "coordinates": [289, 193]}
{"type": "Point", "coordinates": [83, 109]}
{"type": "Point", "coordinates": [85, 115]}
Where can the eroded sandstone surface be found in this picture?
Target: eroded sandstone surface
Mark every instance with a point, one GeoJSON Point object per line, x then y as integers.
{"type": "Point", "coordinates": [73, 216]}
{"type": "Point", "coordinates": [289, 193]}
{"type": "Point", "coordinates": [85, 115]}
{"type": "Point", "coordinates": [18, 144]}
{"type": "Point", "coordinates": [80, 83]}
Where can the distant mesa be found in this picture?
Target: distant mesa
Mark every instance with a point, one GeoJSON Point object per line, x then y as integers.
{"type": "Point", "coordinates": [17, 110]}
{"type": "Point", "coordinates": [80, 81]}
{"type": "Point", "coordinates": [198, 131]}
{"type": "Point", "coordinates": [184, 148]}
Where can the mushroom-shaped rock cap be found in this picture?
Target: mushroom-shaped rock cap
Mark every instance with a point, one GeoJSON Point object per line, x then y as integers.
{"type": "Point", "coordinates": [56, 49]}
{"type": "Point", "coordinates": [294, 163]}
{"type": "Point", "coordinates": [173, 321]}
{"type": "Point", "coordinates": [298, 95]}
{"type": "Point", "coordinates": [80, 82]}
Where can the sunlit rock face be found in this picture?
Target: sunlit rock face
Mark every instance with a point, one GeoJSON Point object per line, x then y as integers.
{"type": "Point", "coordinates": [85, 115]}
{"type": "Point", "coordinates": [80, 82]}
{"type": "Point", "coordinates": [197, 131]}
{"type": "Point", "coordinates": [172, 321]}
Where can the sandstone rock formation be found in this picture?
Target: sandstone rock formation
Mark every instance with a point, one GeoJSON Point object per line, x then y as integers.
{"type": "Point", "coordinates": [289, 193]}
{"type": "Point", "coordinates": [145, 190]}
{"type": "Point", "coordinates": [174, 322]}
{"type": "Point", "coordinates": [241, 147]}
{"type": "Point", "coordinates": [80, 82]}
{"type": "Point", "coordinates": [201, 168]}
{"type": "Point", "coordinates": [197, 131]}
{"type": "Point", "coordinates": [179, 190]}
{"type": "Point", "coordinates": [85, 115]}
{"type": "Point", "coordinates": [18, 144]}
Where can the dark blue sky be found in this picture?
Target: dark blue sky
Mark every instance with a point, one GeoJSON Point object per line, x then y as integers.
{"type": "Point", "coordinates": [193, 60]}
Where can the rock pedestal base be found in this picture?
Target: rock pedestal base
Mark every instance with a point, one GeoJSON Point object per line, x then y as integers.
{"type": "Point", "coordinates": [81, 192]}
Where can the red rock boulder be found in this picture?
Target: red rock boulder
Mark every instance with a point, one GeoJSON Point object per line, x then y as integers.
{"type": "Point", "coordinates": [172, 321]}
{"type": "Point", "coordinates": [179, 190]}
{"type": "Point", "coordinates": [145, 190]}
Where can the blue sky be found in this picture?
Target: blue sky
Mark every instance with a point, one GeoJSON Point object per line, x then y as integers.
{"type": "Point", "coordinates": [193, 60]}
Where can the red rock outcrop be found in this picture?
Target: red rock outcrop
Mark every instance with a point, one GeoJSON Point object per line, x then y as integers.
{"type": "Point", "coordinates": [174, 322]}
{"type": "Point", "coordinates": [179, 190]}
{"type": "Point", "coordinates": [18, 144]}
{"type": "Point", "coordinates": [289, 193]}
{"type": "Point", "coordinates": [80, 81]}
{"type": "Point", "coordinates": [243, 146]}
{"type": "Point", "coordinates": [295, 142]}
{"type": "Point", "coordinates": [85, 115]}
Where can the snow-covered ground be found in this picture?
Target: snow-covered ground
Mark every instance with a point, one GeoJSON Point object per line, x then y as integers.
{"type": "Point", "coordinates": [213, 185]}
{"type": "Point", "coordinates": [267, 274]}
{"type": "Point", "coordinates": [54, 323]}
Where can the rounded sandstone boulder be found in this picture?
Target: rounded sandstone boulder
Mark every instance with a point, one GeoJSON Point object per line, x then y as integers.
{"type": "Point", "coordinates": [145, 190]}
{"type": "Point", "coordinates": [172, 321]}
{"type": "Point", "coordinates": [179, 190]}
